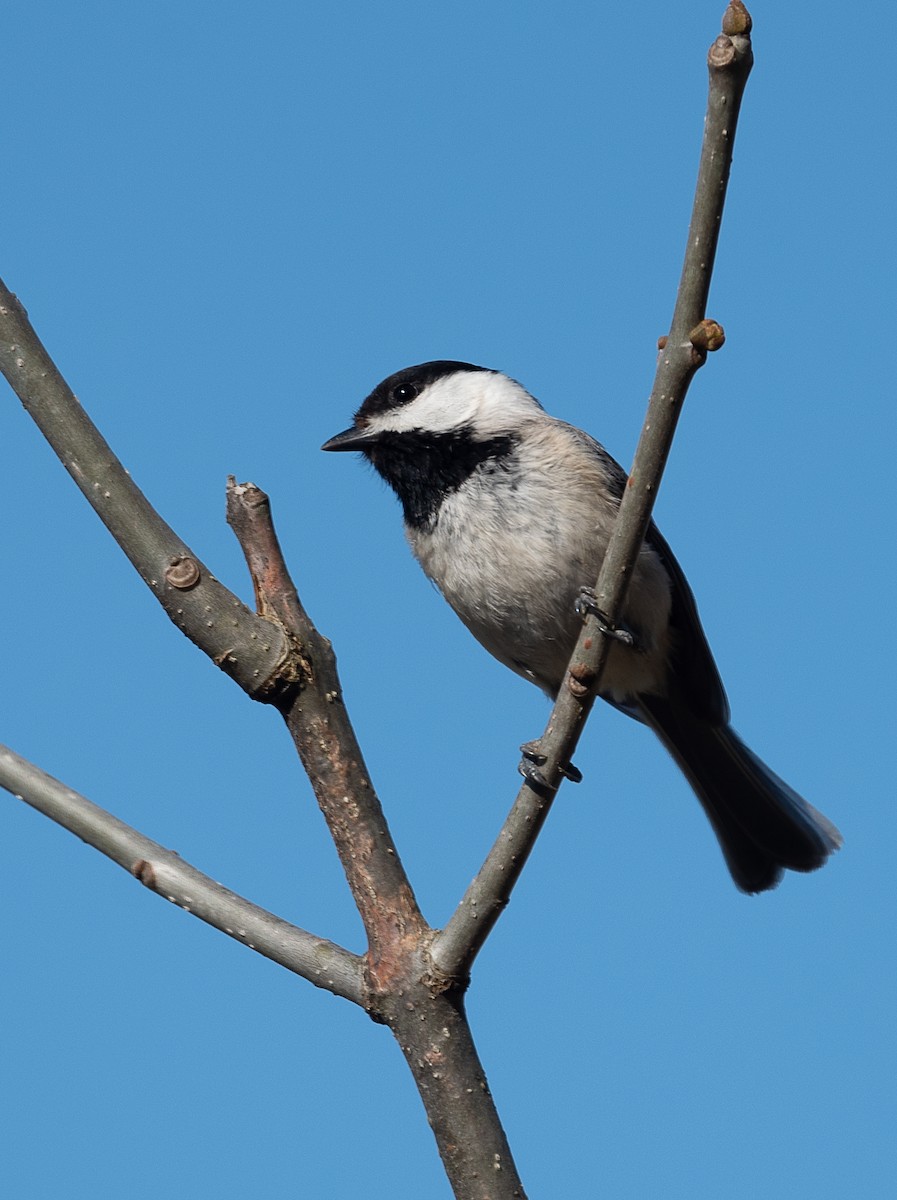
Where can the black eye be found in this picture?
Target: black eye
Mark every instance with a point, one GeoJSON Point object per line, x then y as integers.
{"type": "Point", "coordinates": [403, 392]}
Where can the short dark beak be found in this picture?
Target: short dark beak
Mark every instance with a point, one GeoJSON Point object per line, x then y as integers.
{"type": "Point", "coordinates": [350, 439]}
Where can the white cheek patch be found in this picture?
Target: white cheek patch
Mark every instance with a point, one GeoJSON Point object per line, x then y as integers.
{"type": "Point", "coordinates": [484, 400]}
{"type": "Point", "coordinates": [441, 407]}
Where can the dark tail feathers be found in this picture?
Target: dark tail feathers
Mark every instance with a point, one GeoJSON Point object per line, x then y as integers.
{"type": "Point", "coordinates": [764, 827]}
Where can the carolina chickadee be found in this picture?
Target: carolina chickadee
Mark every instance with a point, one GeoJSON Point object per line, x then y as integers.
{"type": "Point", "coordinates": [509, 511]}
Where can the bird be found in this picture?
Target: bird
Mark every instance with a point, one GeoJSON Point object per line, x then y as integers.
{"type": "Point", "coordinates": [509, 511]}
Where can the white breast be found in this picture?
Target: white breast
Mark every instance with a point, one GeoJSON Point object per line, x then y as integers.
{"type": "Point", "coordinates": [514, 545]}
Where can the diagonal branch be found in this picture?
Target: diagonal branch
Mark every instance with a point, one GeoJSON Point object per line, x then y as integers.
{"type": "Point", "coordinates": [682, 353]}
{"type": "Point", "coordinates": [321, 962]}
{"type": "Point", "coordinates": [247, 647]}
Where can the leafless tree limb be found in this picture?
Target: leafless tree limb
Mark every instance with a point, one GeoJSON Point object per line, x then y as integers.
{"type": "Point", "coordinates": [319, 961]}
{"type": "Point", "coordinates": [684, 350]}
{"type": "Point", "coordinates": [251, 649]}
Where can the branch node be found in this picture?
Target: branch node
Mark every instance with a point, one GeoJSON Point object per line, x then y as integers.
{"type": "Point", "coordinates": [182, 572]}
{"type": "Point", "coordinates": [722, 53]}
{"type": "Point", "coordinates": [581, 680]}
{"type": "Point", "coordinates": [145, 872]}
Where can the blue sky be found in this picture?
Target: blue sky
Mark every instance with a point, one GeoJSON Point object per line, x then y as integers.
{"type": "Point", "coordinates": [227, 225]}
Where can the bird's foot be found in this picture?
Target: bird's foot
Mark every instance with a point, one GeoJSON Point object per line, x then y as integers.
{"type": "Point", "coordinates": [534, 759]}
{"type": "Point", "coordinates": [587, 606]}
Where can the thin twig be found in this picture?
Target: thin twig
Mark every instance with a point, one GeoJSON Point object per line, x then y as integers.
{"type": "Point", "coordinates": [683, 352]}
{"type": "Point", "coordinates": [247, 647]}
{"type": "Point", "coordinates": [321, 962]}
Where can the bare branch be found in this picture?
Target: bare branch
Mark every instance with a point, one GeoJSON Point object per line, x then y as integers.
{"type": "Point", "coordinates": [434, 1035]}
{"type": "Point", "coordinates": [247, 647]}
{"type": "Point", "coordinates": [321, 962]}
{"type": "Point", "coordinates": [326, 742]}
{"type": "Point", "coordinates": [682, 353]}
